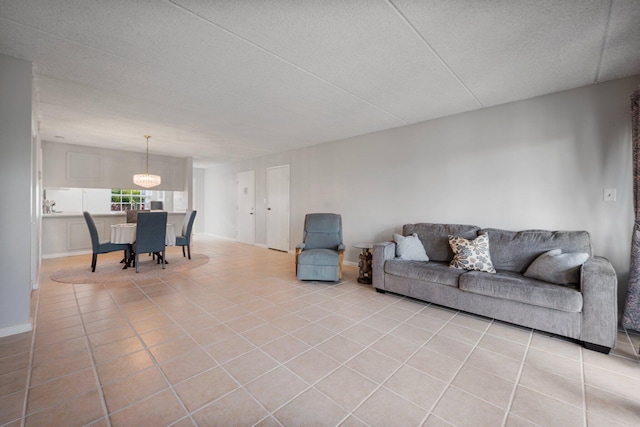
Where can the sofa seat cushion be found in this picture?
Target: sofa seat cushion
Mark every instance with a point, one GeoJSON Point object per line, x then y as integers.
{"type": "Point", "coordinates": [516, 287]}
{"type": "Point", "coordinates": [319, 257]}
{"type": "Point", "coordinates": [432, 271]}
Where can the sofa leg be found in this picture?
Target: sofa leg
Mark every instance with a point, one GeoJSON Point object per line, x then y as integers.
{"type": "Point", "coordinates": [596, 347]}
{"type": "Point", "coordinates": [381, 291]}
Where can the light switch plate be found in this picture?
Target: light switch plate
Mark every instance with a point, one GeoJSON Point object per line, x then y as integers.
{"type": "Point", "coordinates": [609, 195]}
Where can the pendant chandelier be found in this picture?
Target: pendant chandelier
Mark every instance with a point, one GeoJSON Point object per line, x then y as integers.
{"type": "Point", "coordinates": [144, 179]}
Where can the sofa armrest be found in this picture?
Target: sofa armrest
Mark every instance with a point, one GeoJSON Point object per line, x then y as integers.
{"type": "Point", "coordinates": [599, 287]}
{"type": "Point", "coordinates": [381, 253]}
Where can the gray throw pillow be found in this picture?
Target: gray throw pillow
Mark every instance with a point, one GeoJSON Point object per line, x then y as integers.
{"type": "Point", "coordinates": [410, 248]}
{"type": "Point", "coordinates": [555, 267]}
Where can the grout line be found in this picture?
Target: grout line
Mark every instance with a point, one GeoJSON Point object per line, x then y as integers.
{"type": "Point", "coordinates": [103, 401]}
{"type": "Point", "coordinates": [517, 382]}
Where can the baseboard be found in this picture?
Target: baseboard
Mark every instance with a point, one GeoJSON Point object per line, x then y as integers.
{"type": "Point", "coordinates": [350, 263]}
{"type": "Point", "coordinates": [65, 254]}
{"type": "Point", "coordinates": [17, 329]}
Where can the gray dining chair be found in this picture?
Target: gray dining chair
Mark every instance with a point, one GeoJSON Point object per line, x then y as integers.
{"type": "Point", "coordinates": [184, 239]}
{"type": "Point", "coordinates": [104, 246]}
{"type": "Point", "coordinates": [132, 215]}
{"type": "Point", "coordinates": [320, 255]}
{"type": "Point", "coordinates": [151, 233]}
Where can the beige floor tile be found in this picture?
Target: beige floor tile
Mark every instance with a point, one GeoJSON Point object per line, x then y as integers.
{"type": "Point", "coordinates": [205, 387]}
{"type": "Point", "coordinates": [312, 328]}
{"type": "Point", "coordinates": [245, 323]}
{"type": "Point", "coordinates": [235, 409]}
{"type": "Point", "coordinates": [410, 332]}
{"type": "Point", "coordinates": [494, 363]}
{"type": "Point", "coordinates": [362, 334]}
{"type": "Point", "coordinates": [464, 409]}
{"type": "Point", "coordinates": [61, 349]}
{"type": "Point", "coordinates": [229, 348]}
{"type": "Point", "coordinates": [416, 386]}
{"type": "Point", "coordinates": [124, 366]}
{"type": "Point", "coordinates": [113, 350]}
{"type": "Point", "coordinates": [78, 411]}
{"type": "Point", "coordinates": [503, 347]}
{"type": "Point", "coordinates": [373, 365]}
{"type": "Point", "coordinates": [553, 363]}
{"type": "Point", "coordinates": [276, 388]}
{"type": "Point", "coordinates": [263, 334]}
{"type": "Point", "coordinates": [485, 386]}
{"type": "Point", "coordinates": [435, 364]}
{"type": "Point", "coordinates": [55, 391]}
{"type": "Point", "coordinates": [346, 387]}
{"type": "Point", "coordinates": [160, 409]}
{"type": "Point", "coordinates": [187, 365]}
{"type": "Point", "coordinates": [311, 408]}
{"type": "Point", "coordinates": [449, 347]}
{"type": "Point", "coordinates": [54, 368]}
{"type": "Point", "coordinates": [285, 348]}
{"type": "Point", "coordinates": [527, 404]}
{"type": "Point", "coordinates": [174, 348]}
{"type": "Point", "coordinates": [131, 389]}
{"type": "Point", "coordinates": [249, 366]}
{"type": "Point", "coordinates": [111, 335]}
{"type": "Point", "coordinates": [624, 386]}
{"type": "Point", "coordinates": [14, 363]}
{"type": "Point", "coordinates": [312, 365]}
{"type": "Point", "coordinates": [556, 386]}
{"type": "Point", "coordinates": [340, 348]}
{"type": "Point", "coordinates": [385, 408]}
{"type": "Point", "coordinates": [11, 407]}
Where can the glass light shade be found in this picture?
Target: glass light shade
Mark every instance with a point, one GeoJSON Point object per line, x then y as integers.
{"type": "Point", "coordinates": [145, 180]}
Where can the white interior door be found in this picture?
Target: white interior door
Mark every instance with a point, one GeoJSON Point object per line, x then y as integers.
{"type": "Point", "coordinates": [246, 214]}
{"type": "Point", "coordinates": [278, 208]}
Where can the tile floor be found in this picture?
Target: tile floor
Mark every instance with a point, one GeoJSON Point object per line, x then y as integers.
{"type": "Point", "coordinates": [241, 342]}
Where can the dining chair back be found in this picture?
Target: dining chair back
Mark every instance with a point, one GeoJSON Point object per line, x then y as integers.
{"type": "Point", "coordinates": [156, 205]}
{"type": "Point", "coordinates": [184, 239]}
{"type": "Point", "coordinates": [132, 215]}
{"type": "Point", "coordinates": [151, 232]}
{"type": "Point", "coordinates": [102, 247]}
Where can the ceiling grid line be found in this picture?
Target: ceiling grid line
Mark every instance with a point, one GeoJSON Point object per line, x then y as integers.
{"type": "Point", "coordinates": [288, 62]}
{"type": "Point", "coordinates": [605, 38]}
{"type": "Point", "coordinates": [433, 51]}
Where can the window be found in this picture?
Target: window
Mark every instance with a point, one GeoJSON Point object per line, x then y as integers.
{"type": "Point", "coordinates": [122, 200]}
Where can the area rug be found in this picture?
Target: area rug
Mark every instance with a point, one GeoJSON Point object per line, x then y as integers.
{"type": "Point", "coordinates": [109, 272]}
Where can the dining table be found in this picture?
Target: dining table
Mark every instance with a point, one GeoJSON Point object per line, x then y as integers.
{"type": "Point", "coordinates": [126, 233]}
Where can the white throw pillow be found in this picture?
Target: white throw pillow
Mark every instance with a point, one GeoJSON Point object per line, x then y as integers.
{"type": "Point", "coordinates": [410, 248]}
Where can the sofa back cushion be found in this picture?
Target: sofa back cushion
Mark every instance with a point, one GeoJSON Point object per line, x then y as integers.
{"type": "Point", "coordinates": [435, 237]}
{"type": "Point", "coordinates": [516, 250]}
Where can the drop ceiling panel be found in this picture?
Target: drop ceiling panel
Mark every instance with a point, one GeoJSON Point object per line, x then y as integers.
{"type": "Point", "coordinates": [515, 49]}
{"type": "Point", "coordinates": [226, 80]}
{"type": "Point", "coordinates": [365, 48]}
{"type": "Point", "coordinates": [621, 55]}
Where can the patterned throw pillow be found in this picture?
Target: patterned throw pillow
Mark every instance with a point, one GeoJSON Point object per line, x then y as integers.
{"type": "Point", "coordinates": [471, 254]}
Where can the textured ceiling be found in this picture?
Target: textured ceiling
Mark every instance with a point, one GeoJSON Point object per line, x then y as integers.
{"type": "Point", "coordinates": [228, 80]}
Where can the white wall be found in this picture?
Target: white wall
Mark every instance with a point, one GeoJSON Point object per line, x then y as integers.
{"type": "Point", "coordinates": [79, 166]}
{"type": "Point", "coordinates": [15, 188]}
{"type": "Point", "coordinates": [539, 163]}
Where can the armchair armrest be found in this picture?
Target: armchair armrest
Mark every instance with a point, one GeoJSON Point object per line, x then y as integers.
{"type": "Point", "coordinates": [599, 287]}
{"type": "Point", "coordinates": [381, 253]}
{"type": "Point", "coordinates": [341, 247]}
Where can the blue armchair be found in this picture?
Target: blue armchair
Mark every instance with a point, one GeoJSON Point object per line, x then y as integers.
{"type": "Point", "coordinates": [320, 255]}
{"type": "Point", "coordinates": [102, 247]}
{"type": "Point", "coordinates": [184, 239]}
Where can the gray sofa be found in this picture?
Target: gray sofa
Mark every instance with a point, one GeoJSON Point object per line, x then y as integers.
{"type": "Point", "coordinates": [586, 311]}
